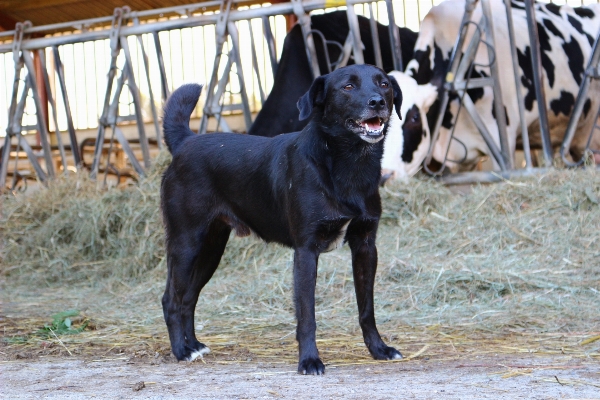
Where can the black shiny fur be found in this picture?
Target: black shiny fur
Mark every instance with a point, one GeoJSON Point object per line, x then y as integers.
{"type": "Point", "coordinates": [299, 189]}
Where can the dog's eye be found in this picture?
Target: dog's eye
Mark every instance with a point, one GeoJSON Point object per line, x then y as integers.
{"type": "Point", "coordinates": [384, 84]}
{"type": "Point", "coordinates": [349, 86]}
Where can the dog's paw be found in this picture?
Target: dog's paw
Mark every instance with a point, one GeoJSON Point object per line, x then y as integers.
{"type": "Point", "coordinates": [386, 353]}
{"type": "Point", "coordinates": [199, 352]}
{"type": "Point", "coordinates": [190, 353]}
{"type": "Point", "coordinates": [311, 366]}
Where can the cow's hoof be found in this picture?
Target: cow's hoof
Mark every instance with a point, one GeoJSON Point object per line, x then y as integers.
{"type": "Point", "coordinates": [387, 353]}
{"type": "Point", "coordinates": [311, 366]}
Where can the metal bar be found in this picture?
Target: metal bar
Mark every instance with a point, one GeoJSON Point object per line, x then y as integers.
{"type": "Point", "coordinates": [355, 31]}
{"type": "Point", "coordinates": [487, 137]}
{"type": "Point", "coordinates": [394, 37]}
{"type": "Point", "coordinates": [255, 63]}
{"type": "Point", "coordinates": [61, 147]}
{"type": "Point", "coordinates": [32, 158]}
{"type": "Point", "coordinates": [268, 33]}
{"type": "Point", "coordinates": [112, 70]}
{"type": "Point", "coordinates": [467, 178]}
{"type": "Point", "coordinates": [4, 161]}
{"type": "Point", "coordinates": [505, 149]}
{"type": "Point", "coordinates": [452, 68]}
{"type": "Point", "coordinates": [13, 184]}
{"type": "Point", "coordinates": [540, 94]}
{"type": "Point", "coordinates": [235, 39]}
{"type": "Point", "coordinates": [11, 110]}
{"type": "Point", "coordinates": [161, 67]}
{"type": "Point", "coordinates": [40, 119]}
{"type": "Point", "coordinates": [466, 60]}
{"type": "Point", "coordinates": [150, 91]}
{"type": "Point", "coordinates": [128, 151]}
{"type": "Point", "coordinates": [63, 88]}
{"type": "Point", "coordinates": [16, 129]}
{"type": "Point", "coordinates": [375, 36]}
{"type": "Point", "coordinates": [474, 83]}
{"type": "Point", "coordinates": [346, 52]}
{"type": "Point", "coordinates": [108, 153]}
{"type": "Point", "coordinates": [191, 21]}
{"type": "Point", "coordinates": [220, 37]}
{"type": "Point", "coordinates": [516, 75]}
{"type": "Point", "coordinates": [83, 24]}
{"type": "Point", "coordinates": [137, 102]}
{"type": "Point", "coordinates": [309, 44]}
{"type": "Point", "coordinates": [578, 109]}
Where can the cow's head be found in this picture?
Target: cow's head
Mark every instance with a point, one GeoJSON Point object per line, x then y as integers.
{"type": "Point", "coordinates": [408, 139]}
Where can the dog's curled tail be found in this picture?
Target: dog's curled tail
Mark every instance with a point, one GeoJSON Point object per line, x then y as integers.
{"type": "Point", "coordinates": [177, 112]}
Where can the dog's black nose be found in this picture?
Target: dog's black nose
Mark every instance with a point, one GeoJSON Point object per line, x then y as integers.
{"type": "Point", "coordinates": [376, 102]}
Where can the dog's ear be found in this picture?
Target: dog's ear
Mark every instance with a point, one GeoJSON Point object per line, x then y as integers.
{"type": "Point", "coordinates": [314, 97]}
{"type": "Point", "coordinates": [397, 95]}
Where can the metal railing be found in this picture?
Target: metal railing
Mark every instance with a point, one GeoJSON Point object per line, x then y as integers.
{"type": "Point", "coordinates": [112, 71]}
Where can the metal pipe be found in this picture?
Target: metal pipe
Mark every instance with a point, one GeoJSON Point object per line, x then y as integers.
{"type": "Point", "coordinates": [520, 101]}
{"type": "Point", "coordinates": [150, 91]}
{"type": "Point", "coordinates": [375, 36]}
{"type": "Point", "coordinates": [590, 72]}
{"type": "Point", "coordinates": [235, 40]}
{"type": "Point", "coordinates": [499, 109]}
{"type": "Point", "coordinates": [268, 33]}
{"type": "Point", "coordinates": [63, 88]}
{"type": "Point", "coordinates": [164, 87]}
{"type": "Point", "coordinates": [467, 178]}
{"type": "Point", "coordinates": [394, 37]}
{"type": "Point", "coordinates": [137, 102]}
{"type": "Point", "coordinates": [452, 68]}
{"type": "Point", "coordinates": [16, 128]}
{"type": "Point", "coordinates": [483, 131]}
{"type": "Point", "coordinates": [187, 22]}
{"type": "Point", "coordinates": [38, 106]}
{"type": "Point", "coordinates": [355, 32]}
{"type": "Point", "coordinates": [112, 70]}
{"type": "Point", "coordinates": [220, 36]}
{"type": "Point", "coordinates": [255, 63]}
{"type": "Point", "coordinates": [540, 94]}
{"type": "Point", "coordinates": [61, 147]}
{"type": "Point", "coordinates": [309, 44]}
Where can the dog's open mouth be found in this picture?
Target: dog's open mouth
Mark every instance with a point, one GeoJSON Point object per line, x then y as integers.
{"type": "Point", "coordinates": [370, 130]}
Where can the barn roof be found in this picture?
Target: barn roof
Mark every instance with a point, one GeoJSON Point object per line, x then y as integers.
{"type": "Point", "coordinates": [46, 12]}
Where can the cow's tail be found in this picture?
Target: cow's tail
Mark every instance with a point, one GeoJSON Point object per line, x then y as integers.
{"type": "Point", "coordinates": [177, 112]}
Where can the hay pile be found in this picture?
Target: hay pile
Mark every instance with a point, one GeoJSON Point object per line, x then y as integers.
{"type": "Point", "coordinates": [515, 257]}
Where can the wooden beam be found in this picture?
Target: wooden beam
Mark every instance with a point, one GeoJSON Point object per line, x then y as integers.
{"type": "Point", "coordinates": [7, 23]}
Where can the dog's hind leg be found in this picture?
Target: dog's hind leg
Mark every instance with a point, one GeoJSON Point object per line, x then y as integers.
{"type": "Point", "coordinates": [305, 279]}
{"type": "Point", "coordinates": [192, 260]}
{"type": "Point", "coordinates": [361, 238]}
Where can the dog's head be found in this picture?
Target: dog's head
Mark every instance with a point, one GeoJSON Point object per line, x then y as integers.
{"type": "Point", "coordinates": [357, 99]}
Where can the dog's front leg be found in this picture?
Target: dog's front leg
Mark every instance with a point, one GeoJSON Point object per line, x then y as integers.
{"type": "Point", "coordinates": [305, 279]}
{"type": "Point", "coordinates": [364, 267]}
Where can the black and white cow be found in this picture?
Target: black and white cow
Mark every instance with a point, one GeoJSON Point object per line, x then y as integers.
{"type": "Point", "coordinates": [293, 78]}
{"type": "Point", "coordinates": [566, 37]}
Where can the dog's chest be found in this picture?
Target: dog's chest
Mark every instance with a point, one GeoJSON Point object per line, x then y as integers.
{"type": "Point", "coordinates": [332, 234]}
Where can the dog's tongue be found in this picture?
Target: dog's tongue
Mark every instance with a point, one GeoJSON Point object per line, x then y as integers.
{"type": "Point", "coordinates": [372, 124]}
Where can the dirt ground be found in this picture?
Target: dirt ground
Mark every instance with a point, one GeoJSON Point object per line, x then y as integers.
{"type": "Point", "coordinates": [513, 376]}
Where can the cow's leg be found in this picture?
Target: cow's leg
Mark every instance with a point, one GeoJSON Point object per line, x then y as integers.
{"type": "Point", "coordinates": [192, 258]}
{"type": "Point", "coordinates": [305, 279]}
{"type": "Point", "coordinates": [361, 238]}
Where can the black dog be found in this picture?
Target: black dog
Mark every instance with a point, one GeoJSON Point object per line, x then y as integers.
{"type": "Point", "coordinates": [310, 190]}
